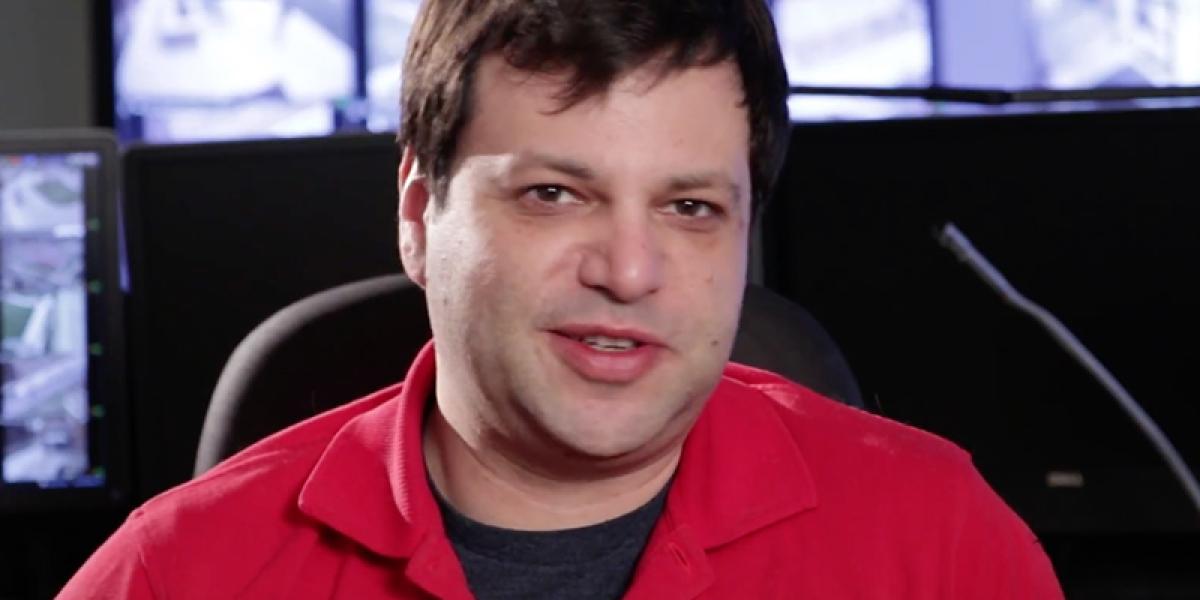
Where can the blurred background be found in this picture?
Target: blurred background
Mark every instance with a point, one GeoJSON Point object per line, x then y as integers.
{"type": "Point", "coordinates": [1058, 132]}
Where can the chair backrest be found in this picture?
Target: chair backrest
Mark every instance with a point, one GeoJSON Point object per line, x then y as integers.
{"type": "Point", "coordinates": [347, 341]}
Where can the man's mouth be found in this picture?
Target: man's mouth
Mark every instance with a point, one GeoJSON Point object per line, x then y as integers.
{"type": "Point", "coordinates": [605, 343]}
{"type": "Point", "coordinates": [608, 338]}
{"type": "Point", "coordinates": [607, 354]}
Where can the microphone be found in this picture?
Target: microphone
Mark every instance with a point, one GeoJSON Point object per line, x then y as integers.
{"type": "Point", "coordinates": [954, 241]}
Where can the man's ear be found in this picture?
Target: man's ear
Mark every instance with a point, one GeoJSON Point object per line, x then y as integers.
{"type": "Point", "coordinates": [415, 196]}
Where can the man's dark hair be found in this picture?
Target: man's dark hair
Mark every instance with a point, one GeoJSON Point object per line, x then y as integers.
{"type": "Point", "coordinates": [596, 41]}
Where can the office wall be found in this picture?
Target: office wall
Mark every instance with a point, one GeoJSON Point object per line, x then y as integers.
{"type": "Point", "coordinates": [45, 63]}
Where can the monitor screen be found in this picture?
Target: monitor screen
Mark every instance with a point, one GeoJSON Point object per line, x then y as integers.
{"type": "Point", "coordinates": [57, 356]}
{"type": "Point", "coordinates": [1106, 43]}
{"type": "Point", "coordinates": [877, 43]}
{"type": "Point", "coordinates": [388, 26]}
{"type": "Point", "coordinates": [192, 70]}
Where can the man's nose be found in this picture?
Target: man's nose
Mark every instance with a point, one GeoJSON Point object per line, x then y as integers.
{"type": "Point", "coordinates": [626, 262]}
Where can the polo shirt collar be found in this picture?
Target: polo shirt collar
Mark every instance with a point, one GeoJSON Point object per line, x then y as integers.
{"type": "Point", "coordinates": [740, 471]}
{"type": "Point", "coordinates": [370, 484]}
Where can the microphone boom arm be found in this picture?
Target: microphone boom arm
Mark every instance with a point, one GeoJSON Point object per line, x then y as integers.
{"type": "Point", "coordinates": [954, 241]}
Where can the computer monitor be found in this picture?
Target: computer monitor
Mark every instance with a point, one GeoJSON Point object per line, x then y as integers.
{"type": "Point", "coordinates": [221, 236]}
{"type": "Point", "coordinates": [1093, 215]}
{"type": "Point", "coordinates": [195, 70]}
{"type": "Point", "coordinates": [63, 406]}
{"type": "Point", "coordinates": [388, 24]}
{"type": "Point", "coordinates": [871, 43]}
{"type": "Point", "coordinates": [1106, 43]}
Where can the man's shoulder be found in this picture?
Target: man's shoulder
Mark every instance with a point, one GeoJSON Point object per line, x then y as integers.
{"type": "Point", "coordinates": [865, 468]}
{"type": "Point", "coordinates": [832, 435]}
{"type": "Point", "coordinates": [263, 480]}
{"type": "Point", "coordinates": [239, 524]}
{"type": "Point", "coordinates": [905, 501]}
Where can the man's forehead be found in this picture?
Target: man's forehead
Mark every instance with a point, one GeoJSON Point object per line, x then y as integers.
{"type": "Point", "coordinates": [557, 85]}
{"type": "Point", "coordinates": [685, 130]}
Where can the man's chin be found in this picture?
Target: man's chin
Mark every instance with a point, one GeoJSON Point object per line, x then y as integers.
{"type": "Point", "coordinates": [607, 454]}
{"type": "Point", "coordinates": [611, 433]}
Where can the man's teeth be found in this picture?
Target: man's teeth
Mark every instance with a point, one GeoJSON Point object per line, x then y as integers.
{"type": "Point", "coordinates": [600, 342]}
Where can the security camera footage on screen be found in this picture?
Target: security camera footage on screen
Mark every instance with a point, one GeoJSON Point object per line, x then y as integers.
{"type": "Point", "coordinates": [1105, 43]}
{"type": "Point", "coordinates": [388, 25]}
{"type": "Point", "coordinates": [193, 70]}
{"type": "Point", "coordinates": [44, 407]}
{"type": "Point", "coordinates": [870, 43]}
{"type": "Point", "coordinates": [230, 69]}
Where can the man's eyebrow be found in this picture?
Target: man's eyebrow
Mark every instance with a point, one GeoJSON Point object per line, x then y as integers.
{"type": "Point", "coordinates": [704, 179]}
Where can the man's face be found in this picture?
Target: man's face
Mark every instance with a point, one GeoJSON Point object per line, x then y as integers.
{"type": "Point", "coordinates": [584, 271]}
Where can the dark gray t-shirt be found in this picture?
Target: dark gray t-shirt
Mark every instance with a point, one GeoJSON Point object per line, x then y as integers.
{"type": "Point", "coordinates": [584, 563]}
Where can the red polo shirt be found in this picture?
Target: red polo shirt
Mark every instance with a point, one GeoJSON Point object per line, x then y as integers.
{"type": "Point", "coordinates": [780, 493]}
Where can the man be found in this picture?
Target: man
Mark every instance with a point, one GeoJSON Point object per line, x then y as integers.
{"type": "Point", "coordinates": [576, 193]}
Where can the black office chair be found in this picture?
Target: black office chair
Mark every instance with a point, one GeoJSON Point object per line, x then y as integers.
{"type": "Point", "coordinates": [345, 342]}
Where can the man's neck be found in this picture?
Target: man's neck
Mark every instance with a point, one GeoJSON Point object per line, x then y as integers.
{"type": "Point", "coordinates": [483, 484]}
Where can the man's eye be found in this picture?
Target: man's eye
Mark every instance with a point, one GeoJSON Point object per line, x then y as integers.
{"type": "Point", "coordinates": [694, 209]}
{"type": "Point", "coordinates": [549, 194]}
